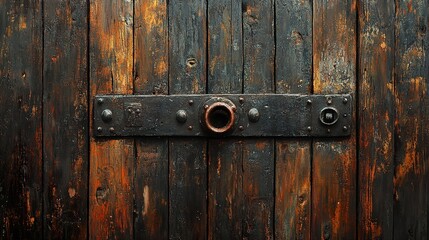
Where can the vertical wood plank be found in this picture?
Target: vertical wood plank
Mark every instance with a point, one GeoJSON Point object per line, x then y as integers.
{"type": "Point", "coordinates": [412, 109]}
{"type": "Point", "coordinates": [21, 120]}
{"type": "Point", "coordinates": [112, 160]}
{"type": "Point", "coordinates": [334, 161]}
{"type": "Point", "coordinates": [293, 157]}
{"type": "Point", "coordinates": [258, 154]}
{"type": "Point", "coordinates": [225, 68]}
{"type": "Point", "coordinates": [187, 161]}
{"type": "Point", "coordinates": [65, 120]}
{"type": "Point", "coordinates": [376, 119]}
{"type": "Point", "coordinates": [151, 77]}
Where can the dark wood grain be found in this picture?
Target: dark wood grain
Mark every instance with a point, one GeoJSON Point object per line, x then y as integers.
{"type": "Point", "coordinates": [21, 120]}
{"type": "Point", "coordinates": [151, 77]}
{"type": "Point", "coordinates": [225, 67]}
{"type": "Point", "coordinates": [65, 120]}
{"type": "Point", "coordinates": [376, 119]}
{"type": "Point", "coordinates": [293, 157]}
{"type": "Point", "coordinates": [411, 122]}
{"type": "Point", "coordinates": [187, 161]}
{"type": "Point", "coordinates": [112, 160]}
{"type": "Point", "coordinates": [334, 161]}
{"type": "Point", "coordinates": [258, 154]}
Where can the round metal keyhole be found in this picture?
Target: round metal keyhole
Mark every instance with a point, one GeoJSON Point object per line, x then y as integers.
{"type": "Point", "coordinates": [219, 116]}
{"type": "Point", "coordinates": [329, 116]}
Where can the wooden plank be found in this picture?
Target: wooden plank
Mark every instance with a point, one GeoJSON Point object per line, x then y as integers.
{"type": "Point", "coordinates": [21, 120]}
{"type": "Point", "coordinates": [293, 157]}
{"type": "Point", "coordinates": [65, 120]}
{"type": "Point", "coordinates": [412, 109]}
{"type": "Point", "coordinates": [334, 161]}
{"type": "Point", "coordinates": [258, 154]}
{"type": "Point", "coordinates": [376, 119]}
{"type": "Point", "coordinates": [112, 160]}
{"type": "Point", "coordinates": [225, 67]}
{"type": "Point", "coordinates": [151, 77]}
{"type": "Point", "coordinates": [187, 161]}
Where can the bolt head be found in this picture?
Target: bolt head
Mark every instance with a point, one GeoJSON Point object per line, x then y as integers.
{"type": "Point", "coordinates": [309, 129]}
{"type": "Point", "coordinates": [253, 115]}
{"type": "Point", "coordinates": [241, 99]}
{"type": "Point", "coordinates": [345, 100]}
{"type": "Point", "coordinates": [106, 115]}
{"type": "Point", "coordinates": [190, 128]}
{"type": "Point", "coordinates": [345, 128]}
{"type": "Point", "coordinates": [100, 101]}
{"type": "Point", "coordinates": [241, 128]}
{"type": "Point", "coordinates": [99, 129]}
{"type": "Point", "coordinates": [191, 102]}
{"type": "Point", "coordinates": [309, 101]}
{"type": "Point", "coordinates": [181, 116]}
{"type": "Point", "coordinates": [112, 130]}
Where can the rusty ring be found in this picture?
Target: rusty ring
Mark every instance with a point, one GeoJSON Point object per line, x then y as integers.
{"type": "Point", "coordinates": [231, 120]}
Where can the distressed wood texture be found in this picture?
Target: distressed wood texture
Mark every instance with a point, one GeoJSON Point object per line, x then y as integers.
{"type": "Point", "coordinates": [187, 156]}
{"type": "Point", "coordinates": [258, 154]}
{"type": "Point", "coordinates": [65, 120]}
{"type": "Point", "coordinates": [376, 119]}
{"type": "Point", "coordinates": [225, 173]}
{"type": "Point", "coordinates": [151, 77]}
{"type": "Point", "coordinates": [112, 160]}
{"type": "Point", "coordinates": [21, 120]}
{"type": "Point", "coordinates": [412, 120]}
{"type": "Point", "coordinates": [293, 157]}
{"type": "Point", "coordinates": [334, 161]}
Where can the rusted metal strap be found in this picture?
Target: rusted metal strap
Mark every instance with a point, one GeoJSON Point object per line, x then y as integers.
{"type": "Point", "coordinates": [246, 115]}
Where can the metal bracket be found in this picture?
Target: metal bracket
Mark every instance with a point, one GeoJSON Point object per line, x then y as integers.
{"type": "Point", "coordinates": [247, 115]}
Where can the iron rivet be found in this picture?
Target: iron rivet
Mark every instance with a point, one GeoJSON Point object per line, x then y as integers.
{"type": "Point", "coordinates": [329, 130]}
{"type": "Point", "coordinates": [100, 101]}
{"type": "Point", "coordinates": [138, 110]}
{"type": "Point", "coordinates": [345, 115]}
{"type": "Point", "coordinates": [111, 129]}
{"type": "Point", "coordinates": [190, 128]}
{"type": "Point", "coordinates": [309, 128]}
{"type": "Point", "coordinates": [345, 128]}
{"type": "Point", "coordinates": [241, 128]}
{"type": "Point", "coordinates": [106, 115]}
{"type": "Point", "coordinates": [191, 102]}
{"type": "Point", "coordinates": [206, 106]}
{"type": "Point", "coordinates": [181, 116]}
{"type": "Point", "coordinates": [130, 110]}
{"type": "Point", "coordinates": [345, 100]}
{"type": "Point", "coordinates": [241, 100]}
{"type": "Point", "coordinates": [309, 101]}
{"type": "Point", "coordinates": [329, 101]}
{"type": "Point", "coordinates": [99, 129]}
{"type": "Point", "coordinates": [253, 115]}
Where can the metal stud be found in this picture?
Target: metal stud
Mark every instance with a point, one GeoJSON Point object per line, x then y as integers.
{"type": "Point", "coordinates": [106, 115]}
{"type": "Point", "coordinates": [253, 115]}
{"type": "Point", "coordinates": [181, 116]}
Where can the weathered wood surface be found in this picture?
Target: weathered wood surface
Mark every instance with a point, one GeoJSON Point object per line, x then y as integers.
{"type": "Point", "coordinates": [258, 154]}
{"type": "Point", "coordinates": [151, 77]}
{"type": "Point", "coordinates": [410, 215]}
{"type": "Point", "coordinates": [58, 181]}
{"type": "Point", "coordinates": [187, 156]}
{"type": "Point", "coordinates": [111, 160]}
{"type": "Point", "coordinates": [21, 204]}
{"type": "Point", "coordinates": [65, 120]}
{"type": "Point", "coordinates": [225, 172]}
{"type": "Point", "coordinates": [293, 157]}
{"type": "Point", "coordinates": [334, 161]}
{"type": "Point", "coordinates": [376, 119]}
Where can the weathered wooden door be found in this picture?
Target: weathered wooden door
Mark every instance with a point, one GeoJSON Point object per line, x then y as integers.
{"type": "Point", "coordinates": [60, 181]}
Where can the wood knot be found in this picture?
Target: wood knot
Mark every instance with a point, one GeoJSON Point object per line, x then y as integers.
{"type": "Point", "coordinates": [191, 62]}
